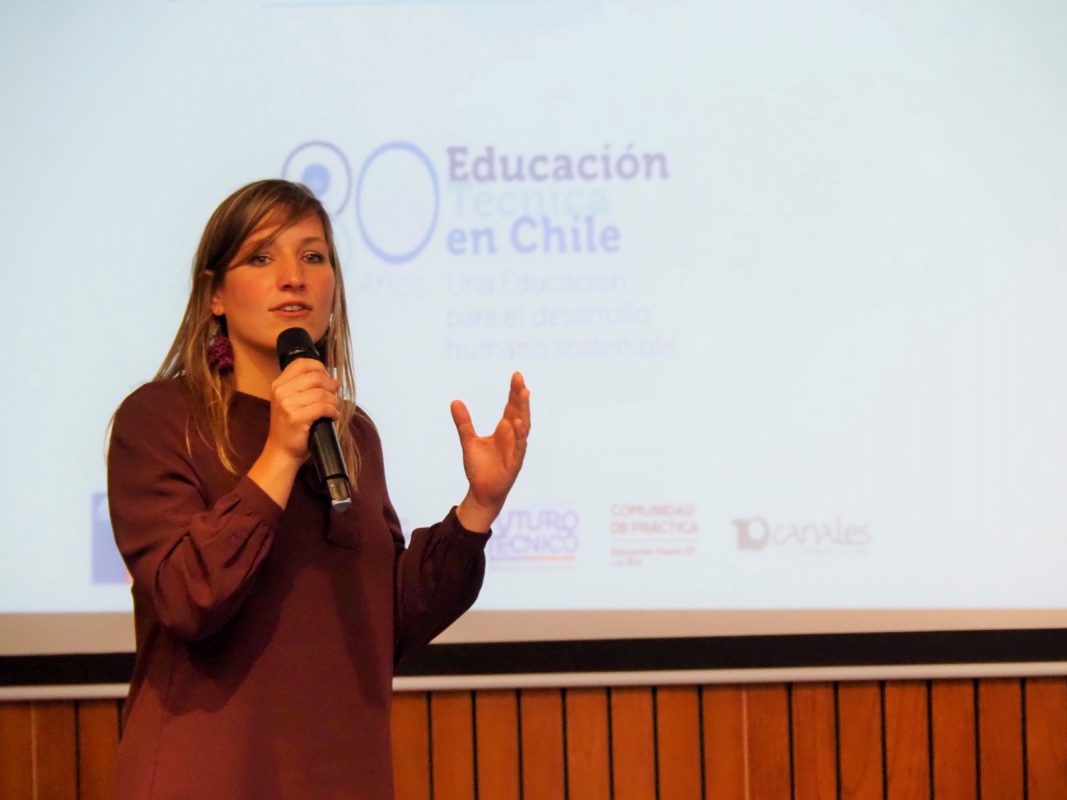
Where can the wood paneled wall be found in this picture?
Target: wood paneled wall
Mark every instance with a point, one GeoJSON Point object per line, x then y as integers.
{"type": "Point", "coordinates": [992, 739]}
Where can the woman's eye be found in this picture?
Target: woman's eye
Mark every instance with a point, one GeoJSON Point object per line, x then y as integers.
{"type": "Point", "coordinates": [259, 259]}
{"type": "Point", "coordinates": [315, 258]}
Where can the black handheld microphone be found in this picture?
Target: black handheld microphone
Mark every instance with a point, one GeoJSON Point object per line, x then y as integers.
{"type": "Point", "coordinates": [295, 343]}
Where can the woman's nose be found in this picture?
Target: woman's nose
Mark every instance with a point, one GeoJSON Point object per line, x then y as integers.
{"type": "Point", "coordinates": [290, 273]}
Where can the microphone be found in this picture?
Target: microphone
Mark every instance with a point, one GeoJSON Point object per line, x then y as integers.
{"type": "Point", "coordinates": [295, 343]}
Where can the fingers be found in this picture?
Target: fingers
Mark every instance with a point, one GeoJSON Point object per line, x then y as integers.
{"type": "Point", "coordinates": [522, 433]}
{"type": "Point", "coordinates": [516, 410]}
{"type": "Point", "coordinates": [306, 373]}
{"type": "Point", "coordinates": [305, 408]}
{"type": "Point", "coordinates": [508, 439]}
{"type": "Point", "coordinates": [305, 392]}
{"type": "Point", "coordinates": [518, 405]}
{"type": "Point", "coordinates": [462, 417]}
{"type": "Point", "coordinates": [299, 394]}
{"type": "Point", "coordinates": [492, 463]}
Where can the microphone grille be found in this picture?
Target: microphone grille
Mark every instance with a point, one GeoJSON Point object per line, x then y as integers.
{"type": "Point", "coordinates": [294, 343]}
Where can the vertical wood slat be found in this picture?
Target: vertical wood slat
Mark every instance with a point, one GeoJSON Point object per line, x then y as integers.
{"type": "Point", "coordinates": [411, 746]}
{"type": "Point", "coordinates": [496, 719]}
{"type": "Point", "coordinates": [588, 747]}
{"type": "Point", "coordinates": [98, 739]}
{"type": "Point", "coordinates": [632, 744]}
{"type": "Point", "coordinates": [452, 745]}
{"type": "Point", "coordinates": [907, 740]}
{"type": "Point", "coordinates": [725, 752]}
{"type": "Point", "coordinates": [767, 731]}
{"type": "Point", "coordinates": [541, 711]}
{"type": "Point", "coordinates": [1046, 738]}
{"type": "Point", "coordinates": [1000, 739]}
{"type": "Point", "coordinates": [814, 742]}
{"type": "Point", "coordinates": [953, 737]}
{"type": "Point", "coordinates": [16, 751]}
{"type": "Point", "coordinates": [55, 741]}
{"type": "Point", "coordinates": [995, 740]}
{"type": "Point", "coordinates": [678, 742]}
{"type": "Point", "coordinates": [859, 714]}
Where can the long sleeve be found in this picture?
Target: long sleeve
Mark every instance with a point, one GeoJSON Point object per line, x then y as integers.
{"type": "Point", "coordinates": [438, 576]}
{"type": "Point", "coordinates": [193, 558]}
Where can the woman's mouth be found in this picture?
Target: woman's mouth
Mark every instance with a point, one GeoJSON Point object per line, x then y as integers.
{"type": "Point", "coordinates": [291, 309]}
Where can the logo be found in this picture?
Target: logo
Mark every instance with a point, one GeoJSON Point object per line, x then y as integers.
{"type": "Point", "coordinates": [535, 537]}
{"type": "Point", "coordinates": [490, 201]}
{"type": "Point", "coordinates": [756, 533]}
{"type": "Point", "coordinates": [673, 519]}
{"type": "Point", "coordinates": [323, 168]}
{"type": "Point", "coordinates": [649, 533]}
{"type": "Point", "coordinates": [397, 225]}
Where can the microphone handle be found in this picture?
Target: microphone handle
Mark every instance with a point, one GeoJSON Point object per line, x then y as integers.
{"type": "Point", "coordinates": [329, 463]}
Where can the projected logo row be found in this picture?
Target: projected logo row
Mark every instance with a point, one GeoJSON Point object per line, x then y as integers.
{"type": "Point", "coordinates": [491, 201]}
{"type": "Point", "coordinates": [637, 535]}
{"type": "Point", "coordinates": [641, 535]}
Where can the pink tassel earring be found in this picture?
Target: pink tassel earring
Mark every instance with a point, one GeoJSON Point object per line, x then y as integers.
{"type": "Point", "coordinates": [220, 351]}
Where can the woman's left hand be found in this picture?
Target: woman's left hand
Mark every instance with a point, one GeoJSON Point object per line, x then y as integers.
{"type": "Point", "coordinates": [492, 463]}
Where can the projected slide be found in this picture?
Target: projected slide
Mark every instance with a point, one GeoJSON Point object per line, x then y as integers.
{"type": "Point", "coordinates": [787, 282]}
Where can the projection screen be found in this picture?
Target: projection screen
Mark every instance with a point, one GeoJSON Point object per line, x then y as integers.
{"type": "Point", "coordinates": [786, 281]}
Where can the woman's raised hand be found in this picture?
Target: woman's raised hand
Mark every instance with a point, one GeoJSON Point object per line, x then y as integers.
{"type": "Point", "coordinates": [492, 463]}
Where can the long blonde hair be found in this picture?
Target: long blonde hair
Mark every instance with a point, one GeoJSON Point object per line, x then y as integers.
{"type": "Point", "coordinates": [235, 218]}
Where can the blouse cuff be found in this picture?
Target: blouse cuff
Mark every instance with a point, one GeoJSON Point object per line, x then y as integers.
{"type": "Point", "coordinates": [471, 538]}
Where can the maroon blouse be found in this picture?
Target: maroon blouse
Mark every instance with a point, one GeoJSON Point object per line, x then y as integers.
{"type": "Point", "coordinates": [266, 638]}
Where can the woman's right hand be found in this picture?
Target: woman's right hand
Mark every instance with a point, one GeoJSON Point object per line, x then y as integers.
{"type": "Point", "coordinates": [302, 394]}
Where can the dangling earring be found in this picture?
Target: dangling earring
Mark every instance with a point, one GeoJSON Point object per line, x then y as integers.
{"type": "Point", "coordinates": [219, 349]}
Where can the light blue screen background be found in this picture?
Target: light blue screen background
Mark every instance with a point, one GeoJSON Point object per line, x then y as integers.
{"type": "Point", "coordinates": [794, 326]}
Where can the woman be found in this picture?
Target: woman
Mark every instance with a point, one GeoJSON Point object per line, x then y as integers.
{"type": "Point", "coordinates": [268, 625]}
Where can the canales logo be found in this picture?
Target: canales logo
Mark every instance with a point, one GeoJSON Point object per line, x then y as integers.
{"type": "Point", "coordinates": [756, 533]}
{"type": "Point", "coordinates": [533, 537]}
{"type": "Point", "coordinates": [487, 202]}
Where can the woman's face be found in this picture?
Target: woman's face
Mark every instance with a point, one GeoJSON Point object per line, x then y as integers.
{"type": "Point", "coordinates": [278, 280]}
